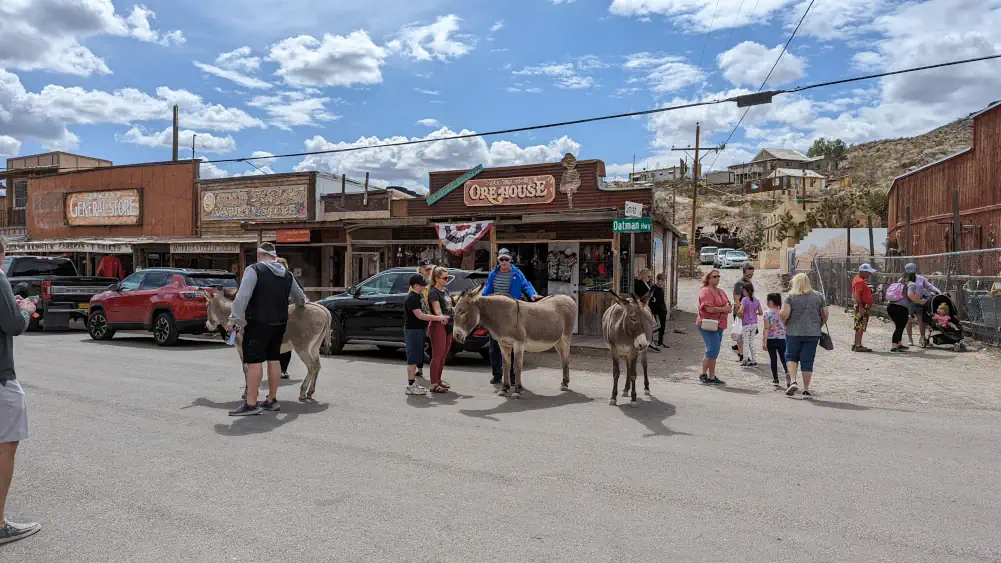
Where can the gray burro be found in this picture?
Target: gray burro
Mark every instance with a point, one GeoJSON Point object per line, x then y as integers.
{"type": "Point", "coordinates": [307, 330]}
{"type": "Point", "coordinates": [519, 327]}
{"type": "Point", "coordinates": [628, 330]}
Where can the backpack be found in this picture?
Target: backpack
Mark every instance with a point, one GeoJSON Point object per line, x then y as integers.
{"type": "Point", "coordinates": [895, 292]}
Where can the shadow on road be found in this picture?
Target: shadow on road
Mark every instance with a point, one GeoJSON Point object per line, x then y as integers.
{"type": "Point", "coordinates": [432, 400]}
{"type": "Point", "coordinates": [265, 422]}
{"type": "Point", "coordinates": [652, 413]}
{"type": "Point", "coordinates": [182, 345]}
{"type": "Point", "coordinates": [528, 402]}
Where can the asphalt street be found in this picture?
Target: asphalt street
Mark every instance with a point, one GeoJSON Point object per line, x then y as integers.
{"type": "Point", "coordinates": [132, 458]}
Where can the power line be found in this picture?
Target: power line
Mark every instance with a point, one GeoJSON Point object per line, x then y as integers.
{"type": "Point", "coordinates": [708, 33]}
{"type": "Point", "coordinates": [733, 26]}
{"type": "Point", "coordinates": [765, 81]}
{"type": "Point", "coordinates": [603, 117]}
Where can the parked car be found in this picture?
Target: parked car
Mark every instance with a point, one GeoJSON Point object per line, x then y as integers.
{"type": "Point", "coordinates": [168, 302]}
{"type": "Point", "coordinates": [62, 293]}
{"type": "Point", "coordinates": [707, 255]}
{"type": "Point", "coordinates": [372, 312]}
{"type": "Point", "coordinates": [735, 259]}
{"type": "Point", "coordinates": [720, 255]}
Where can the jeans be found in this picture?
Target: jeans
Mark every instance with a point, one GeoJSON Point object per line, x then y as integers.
{"type": "Point", "coordinates": [802, 350]}
{"type": "Point", "coordinates": [776, 355]}
{"type": "Point", "coordinates": [899, 314]}
{"type": "Point", "coordinates": [713, 340]}
{"type": "Point", "coordinates": [497, 361]}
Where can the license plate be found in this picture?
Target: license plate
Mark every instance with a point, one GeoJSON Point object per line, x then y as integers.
{"type": "Point", "coordinates": [84, 306]}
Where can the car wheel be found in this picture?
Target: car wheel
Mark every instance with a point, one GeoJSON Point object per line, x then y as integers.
{"type": "Point", "coordinates": [335, 342]}
{"type": "Point", "coordinates": [97, 326]}
{"type": "Point", "coordinates": [164, 330]}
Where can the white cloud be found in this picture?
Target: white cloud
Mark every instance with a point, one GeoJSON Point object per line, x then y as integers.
{"type": "Point", "coordinates": [239, 60]}
{"type": "Point", "coordinates": [9, 146]}
{"type": "Point", "coordinates": [264, 157]}
{"type": "Point", "coordinates": [47, 34]}
{"type": "Point", "coordinates": [426, 92]}
{"type": "Point", "coordinates": [428, 122]}
{"type": "Point", "coordinates": [410, 164]}
{"type": "Point", "coordinates": [438, 40]}
{"type": "Point", "coordinates": [664, 74]}
{"type": "Point", "coordinates": [234, 76]}
{"type": "Point", "coordinates": [867, 61]}
{"type": "Point", "coordinates": [845, 19]}
{"type": "Point", "coordinates": [497, 26]}
{"type": "Point", "coordinates": [562, 1]}
{"type": "Point", "coordinates": [516, 89]}
{"type": "Point", "coordinates": [209, 171]}
{"type": "Point", "coordinates": [748, 63]}
{"type": "Point", "coordinates": [574, 75]}
{"type": "Point", "coordinates": [294, 109]}
{"type": "Point", "coordinates": [337, 60]}
{"type": "Point", "coordinates": [21, 118]}
{"type": "Point", "coordinates": [698, 16]}
{"type": "Point", "coordinates": [204, 142]}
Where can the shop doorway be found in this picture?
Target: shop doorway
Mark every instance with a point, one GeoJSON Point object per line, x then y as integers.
{"type": "Point", "coordinates": [364, 265]}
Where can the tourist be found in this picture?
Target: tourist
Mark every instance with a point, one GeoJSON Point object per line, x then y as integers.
{"type": "Point", "coordinates": [862, 296]}
{"type": "Point", "coordinates": [925, 289]}
{"type": "Point", "coordinates": [738, 295]}
{"type": "Point", "coordinates": [804, 314]}
{"type": "Point", "coordinates": [415, 327]}
{"type": "Point", "coordinates": [658, 306]}
{"type": "Point", "coordinates": [714, 307]}
{"type": "Point", "coordinates": [773, 339]}
{"type": "Point", "coordinates": [505, 279]}
{"type": "Point", "coordinates": [426, 268]}
{"type": "Point", "coordinates": [15, 314]}
{"type": "Point", "coordinates": [749, 311]}
{"type": "Point", "coordinates": [286, 358]}
{"type": "Point", "coordinates": [642, 287]}
{"type": "Point", "coordinates": [899, 310]}
{"type": "Point", "coordinates": [441, 335]}
{"type": "Point", "coordinates": [261, 311]}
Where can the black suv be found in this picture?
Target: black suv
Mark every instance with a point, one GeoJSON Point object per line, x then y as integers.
{"type": "Point", "coordinates": [372, 312]}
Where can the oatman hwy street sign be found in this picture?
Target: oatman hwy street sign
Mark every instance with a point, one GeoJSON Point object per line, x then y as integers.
{"type": "Point", "coordinates": [633, 225]}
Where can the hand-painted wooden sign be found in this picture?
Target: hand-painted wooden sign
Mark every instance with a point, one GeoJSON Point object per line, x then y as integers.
{"type": "Point", "coordinates": [527, 190]}
{"type": "Point", "coordinates": [431, 199]}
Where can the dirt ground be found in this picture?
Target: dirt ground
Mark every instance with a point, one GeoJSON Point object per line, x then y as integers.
{"type": "Point", "coordinates": [842, 378]}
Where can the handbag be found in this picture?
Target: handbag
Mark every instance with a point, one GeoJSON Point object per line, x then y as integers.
{"type": "Point", "coordinates": [826, 342]}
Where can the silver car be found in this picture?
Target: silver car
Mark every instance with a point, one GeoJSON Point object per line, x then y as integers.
{"type": "Point", "coordinates": [720, 255]}
{"type": "Point", "coordinates": [707, 255]}
{"type": "Point", "coordinates": [735, 259]}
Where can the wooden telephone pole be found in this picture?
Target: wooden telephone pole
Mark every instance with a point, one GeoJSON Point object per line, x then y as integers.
{"type": "Point", "coordinates": [696, 176]}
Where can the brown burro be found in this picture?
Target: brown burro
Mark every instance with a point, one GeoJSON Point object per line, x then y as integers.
{"type": "Point", "coordinates": [628, 330]}
{"type": "Point", "coordinates": [519, 327]}
{"type": "Point", "coordinates": [308, 329]}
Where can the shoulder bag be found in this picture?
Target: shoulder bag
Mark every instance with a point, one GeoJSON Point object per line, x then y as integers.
{"type": "Point", "coordinates": [711, 325]}
{"type": "Point", "coordinates": [826, 342]}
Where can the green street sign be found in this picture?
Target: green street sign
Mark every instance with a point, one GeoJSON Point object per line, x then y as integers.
{"type": "Point", "coordinates": [454, 184]}
{"type": "Point", "coordinates": [633, 225]}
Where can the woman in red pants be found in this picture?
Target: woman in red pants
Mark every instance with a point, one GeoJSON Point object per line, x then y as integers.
{"type": "Point", "coordinates": [441, 334]}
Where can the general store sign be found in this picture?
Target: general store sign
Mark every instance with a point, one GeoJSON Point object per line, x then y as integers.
{"type": "Point", "coordinates": [526, 190]}
{"type": "Point", "coordinates": [252, 204]}
{"type": "Point", "coordinates": [634, 225]}
{"type": "Point", "coordinates": [205, 248]}
{"type": "Point", "coordinates": [112, 207]}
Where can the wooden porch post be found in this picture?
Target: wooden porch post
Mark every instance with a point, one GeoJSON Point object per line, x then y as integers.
{"type": "Point", "coordinates": [616, 263]}
{"type": "Point", "coordinates": [493, 245]}
{"type": "Point", "coordinates": [347, 261]}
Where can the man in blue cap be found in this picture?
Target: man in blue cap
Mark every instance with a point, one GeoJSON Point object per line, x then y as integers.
{"type": "Point", "coordinates": [506, 279]}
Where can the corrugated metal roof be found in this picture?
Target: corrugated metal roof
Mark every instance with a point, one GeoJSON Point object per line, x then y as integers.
{"type": "Point", "coordinates": [990, 106]}
{"type": "Point", "coordinates": [793, 172]}
{"type": "Point", "coordinates": [782, 154]}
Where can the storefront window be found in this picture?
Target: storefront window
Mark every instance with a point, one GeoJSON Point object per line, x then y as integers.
{"type": "Point", "coordinates": [596, 267]}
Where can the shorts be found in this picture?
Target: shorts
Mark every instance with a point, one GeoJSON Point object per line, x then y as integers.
{"type": "Point", "coordinates": [802, 350]}
{"type": "Point", "coordinates": [713, 340]}
{"type": "Point", "coordinates": [262, 342]}
{"type": "Point", "coordinates": [13, 413]}
{"type": "Point", "coordinates": [414, 339]}
{"type": "Point", "coordinates": [861, 318]}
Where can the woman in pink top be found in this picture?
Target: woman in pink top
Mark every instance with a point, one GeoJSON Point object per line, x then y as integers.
{"type": "Point", "coordinates": [713, 305]}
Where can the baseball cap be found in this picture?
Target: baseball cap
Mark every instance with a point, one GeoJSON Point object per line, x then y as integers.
{"type": "Point", "coordinates": [504, 253]}
{"type": "Point", "coordinates": [418, 279]}
{"type": "Point", "coordinates": [911, 268]}
{"type": "Point", "coordinates": [867, 268]}
{"type": "Point", "coordinates": [426, 263]}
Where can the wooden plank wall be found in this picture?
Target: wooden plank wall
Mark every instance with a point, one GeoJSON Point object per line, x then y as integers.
{"type": "Point", "coordinates": [234, 228]}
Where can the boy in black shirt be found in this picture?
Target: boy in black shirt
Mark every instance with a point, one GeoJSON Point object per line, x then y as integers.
{"type": "Point", "coordinates": [415, 326]}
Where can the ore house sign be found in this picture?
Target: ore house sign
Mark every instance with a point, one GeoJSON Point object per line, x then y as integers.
{"type": "Point", "coordinates": [526, 190]}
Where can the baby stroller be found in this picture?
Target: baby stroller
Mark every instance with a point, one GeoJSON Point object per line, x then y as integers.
{"type": "Point", "coordinates": [938, 335]}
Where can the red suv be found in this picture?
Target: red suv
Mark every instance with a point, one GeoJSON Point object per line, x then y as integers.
{"type": "Point", "coordinates": [165, 301]}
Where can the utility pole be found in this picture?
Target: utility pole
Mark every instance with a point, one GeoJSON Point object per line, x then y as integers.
{"type": "Point", "coordinates": [193, 137]}
{"type": "Point", "coordinates": [633, 175]}
{"type": "Point", "coordinates": [696, 175]}
{"type": "Point", "coordinates": [175, 132]}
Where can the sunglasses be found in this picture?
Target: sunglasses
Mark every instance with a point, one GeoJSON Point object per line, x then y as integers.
{"type": "Point", "coordinates": [715, 276]}
{"type": "Point", "coordinates": [503, 259]}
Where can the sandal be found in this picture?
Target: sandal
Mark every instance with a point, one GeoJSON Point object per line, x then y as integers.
{"type": "Point", "coordinates": [439, 389]}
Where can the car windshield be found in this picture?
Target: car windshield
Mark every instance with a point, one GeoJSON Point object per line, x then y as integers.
{"type": "Point", "coordinates": [736, 255]}
{"type": "Point", "coordinates": [211, 281]}
{"type": "Point", "coordinates": [723, 251]}
{"type": "Point", "coordinates": [709, 249]}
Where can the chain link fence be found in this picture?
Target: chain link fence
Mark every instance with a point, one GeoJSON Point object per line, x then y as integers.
{"type": "Point", "coordinates": [972, 280]}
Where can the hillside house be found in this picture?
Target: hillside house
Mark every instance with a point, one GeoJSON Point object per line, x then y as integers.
{"type": "Point", "coordinates": [658, 175]}
{"type": "Point", "coordinates": [766, 162]}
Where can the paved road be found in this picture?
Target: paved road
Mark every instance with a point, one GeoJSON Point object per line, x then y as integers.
{"type": "Point", "coordinates": [132, 459]}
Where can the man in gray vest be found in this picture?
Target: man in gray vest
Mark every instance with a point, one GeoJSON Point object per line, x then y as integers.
{"type": "Point", "coordinates": [15, 313]}
{"type": "Point", "coordinates": [261, 311]}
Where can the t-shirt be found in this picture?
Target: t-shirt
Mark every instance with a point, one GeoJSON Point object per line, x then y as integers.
{"type": "Point", "coordinates": [502, 282]}
{"type": "Point", "coordinates": [859, 286]}
{"type": "Point", "coordinates": [751, 308]}
{"type": "Point", "coordinates": [709, 297]}
{"type": "Point", "coordinates": [410, 320]}
{"type": "Point", "coordinates": [804, 314]}
{"type": "Point", "coordinates": [776, 328]}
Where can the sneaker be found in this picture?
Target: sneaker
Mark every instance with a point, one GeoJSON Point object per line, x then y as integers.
{"type": "Point", "coordinates": [11, 532]}
{"type": "Point", "coordinates": [246, 410]}
{"type": "Point", "coordinates": [792, 389]}
{"type": "Point", "coordinates": [753, 364]}
{"type": "Point", "coordinates": [807, 393]}
{"type": "Point", "coordinates": [416, 390]}
{"type": "Point", "coordinates": [704, 378]}
{"type": "Point", "coordinates": [285, 376]}
{"type": "Point", "coordinates": [716, 381]}
{"type": "Point", "coordinates": [775, 381]}
{"type": "Point", "coordinates": [495, 381]}
{"type": "Point", "coordinates": [272, 406]}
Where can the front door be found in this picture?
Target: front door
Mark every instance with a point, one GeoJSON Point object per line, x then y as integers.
{"type": "Point", "coordinates": [563, 271]}
{"type": "Point", "coordinates": [122, 307]}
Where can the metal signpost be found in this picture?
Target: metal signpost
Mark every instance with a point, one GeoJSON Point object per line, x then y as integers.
{"type": "Point", "coordinates": [632, 224]}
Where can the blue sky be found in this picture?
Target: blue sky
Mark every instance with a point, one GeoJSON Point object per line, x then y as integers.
{"type": "Point", "coordinates": [267, 76]}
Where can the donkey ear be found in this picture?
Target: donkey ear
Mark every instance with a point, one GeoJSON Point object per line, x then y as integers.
{"type": "Point", "coordinates": [478, 290]}
{"type": "Point", "coordinates": [229, 293]}
{"type": "Point", "coordinates": [619, 298]}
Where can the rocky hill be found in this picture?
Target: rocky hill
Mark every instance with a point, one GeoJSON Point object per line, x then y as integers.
{"type": "Point", "coordinates": [877, 163]}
